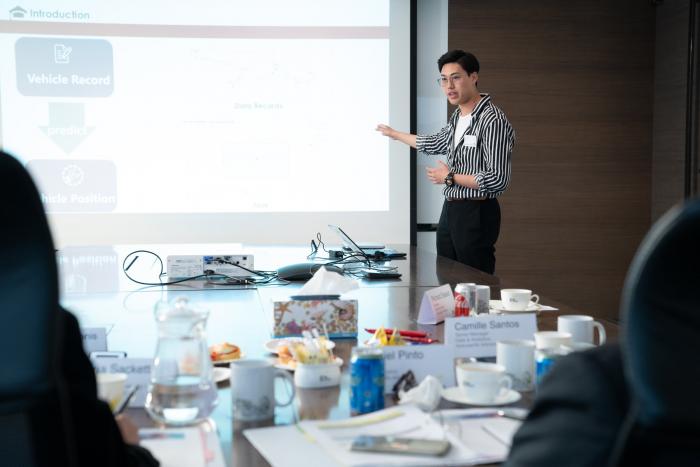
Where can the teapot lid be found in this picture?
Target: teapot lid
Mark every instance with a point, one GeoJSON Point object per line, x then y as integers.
{"type": "Point", "coordinates": [179, 309]}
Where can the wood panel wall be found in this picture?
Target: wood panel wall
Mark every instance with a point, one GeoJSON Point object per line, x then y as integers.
{"type": "Point", "coordinates": [670, 87]}
{"type": "Point", "coordinates": [576, 81]}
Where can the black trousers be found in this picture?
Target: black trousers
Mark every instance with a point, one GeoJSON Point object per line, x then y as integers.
{"type": "Point", "coordinates": [467, 232]}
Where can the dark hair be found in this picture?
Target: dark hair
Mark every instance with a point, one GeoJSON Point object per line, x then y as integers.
{"type": "Point", "coordinates": [464, 59]}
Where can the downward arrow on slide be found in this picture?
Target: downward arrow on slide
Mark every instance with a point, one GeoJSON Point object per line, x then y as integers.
{"type": "Point", "coordinates": [67, 125]}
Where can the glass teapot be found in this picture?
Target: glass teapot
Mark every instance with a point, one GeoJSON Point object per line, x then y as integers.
{"type": "Point", "coordinates": [181, 390]}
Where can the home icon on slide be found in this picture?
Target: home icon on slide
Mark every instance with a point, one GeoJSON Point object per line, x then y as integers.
{"type": "Point", "coordinates": [17, 12]}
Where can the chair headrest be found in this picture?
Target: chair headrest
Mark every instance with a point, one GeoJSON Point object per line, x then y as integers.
{"type": "Point", "coordinates": [28, 284]}
{"type": "Point", "coordinates": [661, 321]}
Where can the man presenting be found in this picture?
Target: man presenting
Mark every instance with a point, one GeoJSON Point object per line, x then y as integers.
{"type": "Point", "coordinates": [478, 141]}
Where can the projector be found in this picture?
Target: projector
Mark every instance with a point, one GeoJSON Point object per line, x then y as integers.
{"type": "Point", "coordinates": [182, 266]}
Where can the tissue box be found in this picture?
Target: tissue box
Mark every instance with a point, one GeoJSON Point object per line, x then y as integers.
{"type": "Point", "coordinates": [294, 316]}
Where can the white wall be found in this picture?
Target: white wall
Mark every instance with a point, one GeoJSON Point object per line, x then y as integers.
{"type": "Point", "coordinates": [431, 108]}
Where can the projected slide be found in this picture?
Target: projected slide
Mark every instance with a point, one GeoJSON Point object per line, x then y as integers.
{"type": "Point", "coordinates": [226, 107]}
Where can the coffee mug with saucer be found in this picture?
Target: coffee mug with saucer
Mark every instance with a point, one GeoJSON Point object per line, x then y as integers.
{"type": "Point", "coordinates": [518, 299]}
{"type": "Point", "coordinates": [480, 383]}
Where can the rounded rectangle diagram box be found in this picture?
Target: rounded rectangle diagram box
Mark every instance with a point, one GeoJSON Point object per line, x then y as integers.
{"type": "Point", "coordinates": [73, 185]}
{"type": "Point", "coordinates": [61, 67]}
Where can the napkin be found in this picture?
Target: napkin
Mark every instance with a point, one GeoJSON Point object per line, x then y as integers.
{"type": "Point", "coordinates": [426, 395]}
{"type": "Point", "coordinates": [325, 282]}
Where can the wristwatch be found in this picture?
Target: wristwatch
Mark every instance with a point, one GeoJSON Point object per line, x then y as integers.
{"type": "Point", "coordinates": [450, 179]}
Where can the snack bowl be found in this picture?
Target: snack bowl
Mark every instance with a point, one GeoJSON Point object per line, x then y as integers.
{"type": "Point", "coordinates": [318, 375]}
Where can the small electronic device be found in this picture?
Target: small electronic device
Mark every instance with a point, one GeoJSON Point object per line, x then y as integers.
{"type": "Point", "coordinates": [335, 254]}
{"type": "Point", "coordinates": [409, 446]}
{"type": "Point", "coordinates": [303, 271]}
{"type": "Point", "coordinates": [375, 274]}
{"type": "Point", "coordinates": [182, 266]}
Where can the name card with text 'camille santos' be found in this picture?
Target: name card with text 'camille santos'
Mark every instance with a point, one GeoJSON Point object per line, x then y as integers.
{"type": "Point", "coordinates": [476, 336]}
{"type": "Point", "coordinates": [422, 360]}
{"type": "Point", "coordinates": [437, 304]}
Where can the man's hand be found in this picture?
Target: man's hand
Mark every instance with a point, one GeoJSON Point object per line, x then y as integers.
{"type": "Point", "coordinates": [437, 174]}
{"type": "Point", "coordinates": [129, 431]}
{"type": "Point", "coordinates": [386, 130]}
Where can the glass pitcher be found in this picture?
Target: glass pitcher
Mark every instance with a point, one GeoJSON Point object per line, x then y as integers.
{"type": "Point", "coordinates": [181, 390]}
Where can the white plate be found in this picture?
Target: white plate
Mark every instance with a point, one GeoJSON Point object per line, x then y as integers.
{"type": "Point", "coordinates": [497, 306]}
{"type": "Point", "coordinates": [221, 374]}
{"type": "Point", "coordinates": [454, 394]}
{"type": "Point", "coordinates": [271, 345]}
{"type": "Point", "coordinates": [227, 360]}
{"type": "Point", "coordinates": [338, 361]}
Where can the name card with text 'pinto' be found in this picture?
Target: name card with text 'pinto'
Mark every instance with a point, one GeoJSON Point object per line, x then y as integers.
{"type": "Point", "coordinates": [422, 360]}
{"type": "Point", "coordinates": [437, 304]}
{"type": "Point", "coordinates": [476, 336]}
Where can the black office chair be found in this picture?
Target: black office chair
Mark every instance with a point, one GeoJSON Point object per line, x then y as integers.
{"type": "Point", "coordinates": [35, 425]}
{"type": "Point", "coordinates": [661, 344]}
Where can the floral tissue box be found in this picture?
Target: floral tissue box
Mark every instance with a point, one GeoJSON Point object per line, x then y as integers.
{"type": "Point", "coordinates": [294, 316]}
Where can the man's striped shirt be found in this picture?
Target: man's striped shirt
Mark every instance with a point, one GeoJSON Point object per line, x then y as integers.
{"type": "Point", "coordinates": [487, 157]}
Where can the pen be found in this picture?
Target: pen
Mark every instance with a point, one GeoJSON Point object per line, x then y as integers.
{"type": "Point", "coordinates": [491, 414]}
{"type": "Point", "coordinates": [125, 400]}
{"type": "Point", "coordinates": [402, 332]}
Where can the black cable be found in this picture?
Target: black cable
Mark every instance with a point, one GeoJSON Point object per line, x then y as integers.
{"type": "Point", "coordinates": [126, 268]}
{"type": "Point", "coordinates": [314, 250]}
{"type": "Point", "coordinates": [320, 242]}
{"type": "Point", "coordinates": [252, 271]}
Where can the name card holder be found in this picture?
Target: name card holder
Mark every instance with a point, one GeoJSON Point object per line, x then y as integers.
{"type": "Point", "coordinates": [476, 336]}
{"type": "Point", "coordinates": [422, 360]}
{"type": "Point", "coordinates": [94, 339]}
{"type": "Point", "coordinates": [437, 304]}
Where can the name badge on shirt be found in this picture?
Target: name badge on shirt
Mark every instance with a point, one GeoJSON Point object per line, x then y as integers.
{"type": "Point", "coordinates": [470, 141]}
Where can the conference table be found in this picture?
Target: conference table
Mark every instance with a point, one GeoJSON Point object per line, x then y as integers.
{"type": "Point", "coordinates": [95, 288]}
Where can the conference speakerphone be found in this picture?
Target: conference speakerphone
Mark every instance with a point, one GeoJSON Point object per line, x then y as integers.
{"type": "Point", "coordinates": [182, 266]}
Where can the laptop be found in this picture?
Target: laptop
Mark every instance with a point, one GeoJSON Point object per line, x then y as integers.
{"type": "Point", "coordinates": [375, 253]}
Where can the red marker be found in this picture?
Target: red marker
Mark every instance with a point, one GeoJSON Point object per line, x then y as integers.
{"type": "Point", "coordinates": [402, 333]}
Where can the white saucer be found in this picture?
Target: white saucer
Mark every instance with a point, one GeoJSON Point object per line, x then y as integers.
{"type": "Point", "coordinates": [454, 394]}
{"type": "Point", "coordinates": [271, 345]}
{"type": "Point", "coordinates": [226, 361]}
{"type": "Point", "coordinates": [497, 306]}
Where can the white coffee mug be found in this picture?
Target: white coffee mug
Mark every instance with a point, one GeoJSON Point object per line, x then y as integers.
{"type": "Point", "coordinates": [581, 328]}
{"type": "Point", "coordinates": [253, 389]}
{"type": "Point", "coordinates": [320, 375]}
{"type": "Point", "coordinates": [518, 358]}
{"type": "Point", "coordinates": [518, 299]}
{"type": "Point", "coordinates": [482, 382]}
{"type": "Point", "coordinates": [110, 387]}
{"type": "Point", "coordinates": [551, 339]}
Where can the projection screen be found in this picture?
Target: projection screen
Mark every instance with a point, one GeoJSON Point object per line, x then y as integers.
{"type": "Point", "coordinates": [217, 121]}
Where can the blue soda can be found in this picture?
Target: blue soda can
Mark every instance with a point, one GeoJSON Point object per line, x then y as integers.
{"type": "Point", "coordinates": [366, 380]}
{"type": "Point", "coordinates": [544, 359]}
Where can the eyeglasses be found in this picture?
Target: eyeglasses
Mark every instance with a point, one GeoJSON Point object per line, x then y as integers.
{"type": "Point", "coordinates": [443, 81]}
